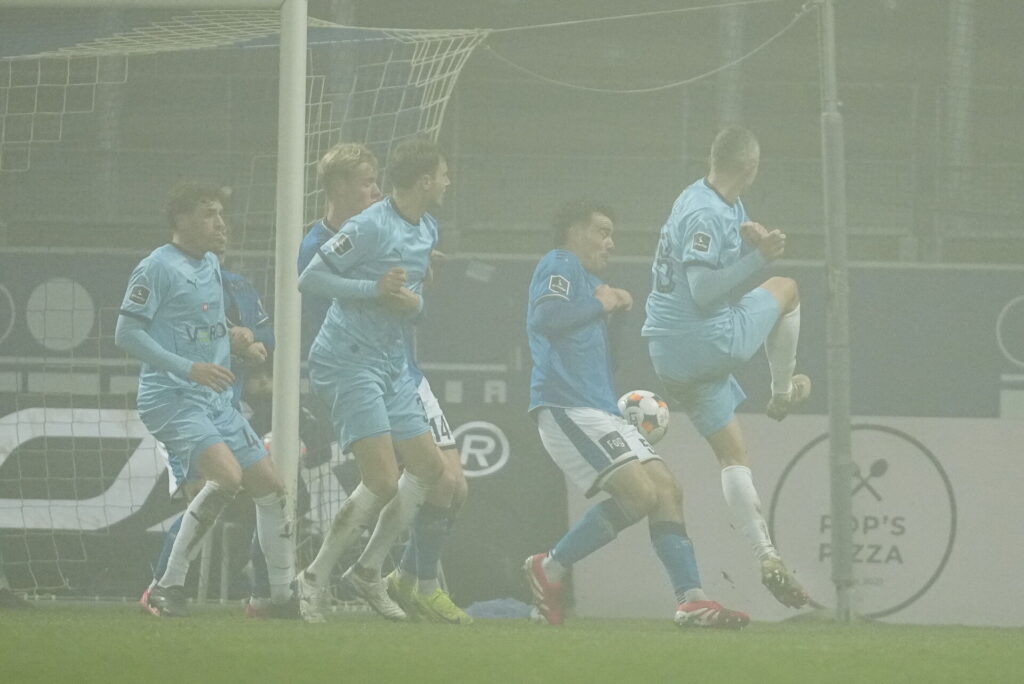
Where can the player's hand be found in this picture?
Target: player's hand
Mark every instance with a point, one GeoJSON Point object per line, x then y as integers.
{"type": "Point", "coordinates": [392, 281]}
{"type": "Point", "coordinates": [625, 299]}
{"type": "Point", "coordinates": [405, 301]}
{"type": "Point", "coordinates": [752, 232]}
{"type": "Point", "coordinates": [217, 378]}
{"type": "Point", "coordinates": [241, 337]}
{"type": "Point", "coordinates": [772, 245]}
{"type": "Point", "coordinates": [255, 352]}
{"type": "Point", "coordinates": [613, 299]}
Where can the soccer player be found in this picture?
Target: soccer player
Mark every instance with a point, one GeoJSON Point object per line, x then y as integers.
{"type": "Point", "coordinates": [414, 583]}
{"type": "Point", "coordinates": [252, 339]}
{"type": "Point", "coordinates": [173, 320]}
{"type": "Point", "coordinates": [374, 268]}
{"type": "Point", "coordinates": [573, 402]}
{"type": "Point", "coordinates": [698, 334]}
{"type": "Point", "coordinates": [348, 175]}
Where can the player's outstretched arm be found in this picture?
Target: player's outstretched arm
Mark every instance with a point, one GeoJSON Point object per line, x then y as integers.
{"type": "Point", "coordinates": [319, 279]}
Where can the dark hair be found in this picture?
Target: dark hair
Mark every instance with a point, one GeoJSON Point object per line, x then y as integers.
{"type": "Point", "coordinates": [733, 150]}
{"type": "Point", "coordinates": [189, 194]}
{"type": "Point", "coordinates": [573, 213]}
{"type": "Point", "coordinates": [411, 159]}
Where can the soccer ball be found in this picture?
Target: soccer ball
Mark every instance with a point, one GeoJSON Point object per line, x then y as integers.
{"type": "Point", "coordinates": [647, 411]}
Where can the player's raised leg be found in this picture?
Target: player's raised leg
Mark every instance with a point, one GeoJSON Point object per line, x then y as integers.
{"type": "Point", "coordinates": [780, 346]}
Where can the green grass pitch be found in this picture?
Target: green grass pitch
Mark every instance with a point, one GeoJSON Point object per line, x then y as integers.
{"type": "Point", "coordinates": [106, 643]}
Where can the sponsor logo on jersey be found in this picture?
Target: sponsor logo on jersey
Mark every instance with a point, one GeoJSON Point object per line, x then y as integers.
{"type": "Point", "coordinates": [559, 285]}
{"type": "Point", "coordinates": [702, 242]}
{"type": "Point", "coordinates": [204, 334]}
{"type": "Point", "coordinates": [614, 445]}
{"type": "Point", "coordinates": [343, 245]}
{"type": "Point", "coordinates": [139, 295]}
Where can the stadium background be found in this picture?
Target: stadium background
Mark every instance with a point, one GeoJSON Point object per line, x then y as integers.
{"type": "Point", "coordinates": [932, 98]}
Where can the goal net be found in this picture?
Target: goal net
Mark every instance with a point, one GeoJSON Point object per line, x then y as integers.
{"type": "Point", "coordinates": [99, 117]}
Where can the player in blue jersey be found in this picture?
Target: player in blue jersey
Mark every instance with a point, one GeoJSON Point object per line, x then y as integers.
{"type": "Point", "coordinates": [348, 175]}
{"type": "Point", "coordinates": [699, 333]}
{"type": "Point", "coordinates": [374, 268]}
{"type": "Point", "coordinates": [173, 319]}
{"type": "Point", "coordinates": [573, 401]}
{"type": "Point", "coordinates": [252, 339]}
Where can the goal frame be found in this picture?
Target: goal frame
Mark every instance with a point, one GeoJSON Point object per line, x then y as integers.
{"type": "Point", "coordinates": [291, 133]}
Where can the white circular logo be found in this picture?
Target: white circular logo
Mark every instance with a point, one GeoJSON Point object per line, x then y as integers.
{"type": "Point", "coordinates": [483, 447]}
{"type": "Point", "coordinates": [60, 314]}
{"type": "Point", "coordinates": [7, 313]}
{"type": "Point", "coordinates": [1010, 326]}
{"type": "Point", "coordinates": [904, 518]}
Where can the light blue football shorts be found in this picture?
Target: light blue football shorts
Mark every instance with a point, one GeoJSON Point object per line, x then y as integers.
{"type": "Point", "coordinates": [698, 372]}
{"type": "Point", "coordinates": [188, 426]}
{"type": "Point", "coordinates": [369, 392]}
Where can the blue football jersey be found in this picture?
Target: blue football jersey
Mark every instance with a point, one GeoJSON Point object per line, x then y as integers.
{"type": "Point", "coordinates": [181, 298]}
{"type": "Point", "coordinates": [702, 229]}
{"type": "Point", "coordinates": [365, 248]}
{"type": "Point", "coordinates": [571, 367]}
{"type": "Point", "coordinates": [314, 307]}
{"type": "Point", "coordinates": [243, 307]}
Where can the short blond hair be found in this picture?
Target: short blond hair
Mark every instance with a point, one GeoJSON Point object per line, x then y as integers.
{"type": "Point", "coordinates": [734, 150]}
{"type": "Point", "coordinates": [341, 160]}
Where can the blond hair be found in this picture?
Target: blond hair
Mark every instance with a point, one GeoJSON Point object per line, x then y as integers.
{"type": "Point", "coordinates": [341, 160]}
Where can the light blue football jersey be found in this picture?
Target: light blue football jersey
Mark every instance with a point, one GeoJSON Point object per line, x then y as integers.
{"type": "Point", "coordinates": [181, 298]}
{"type": "Point", "coordinates": [702, 229]}
{"type": "Point", "coordinates": [365, 248]}
{"type": "Point", "coordinates": [571, 368]}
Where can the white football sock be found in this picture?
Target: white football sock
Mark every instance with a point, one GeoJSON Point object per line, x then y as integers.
{"type": "Point", "coordinates": [693, 595]}
{"type": "Point", "coordinates": [553, 570]}
{"type": "Point", "coordinates": [745, 505]}
{"type": "Point", "coordinates": [201, 514]}
{"type": "Point", "coordinates": [427, 587]}
{"type": "Point", "coordinates": [274, 530]}
{"type": "Point", "coordinates": [358, 512]}
{"type": "Point", "coordinates": [780, 347]}
{"type": "Point", "coordinates": [394, 519]}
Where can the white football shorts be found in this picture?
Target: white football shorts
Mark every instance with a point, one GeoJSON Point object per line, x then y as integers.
{"type": "Point", "coordinates": [589, 444]}
{"type": "Point", "coordinates": [442, 432]}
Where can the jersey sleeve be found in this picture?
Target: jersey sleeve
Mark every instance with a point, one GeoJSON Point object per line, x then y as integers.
{"type": "Point", "coordinates": [700, 241]}
{"type": "Point", "coordinates": [556, 279]}
{"type": "Point", "coordinates": [147, 287]}
{"type": "Point", "coordinates": [353, 244]}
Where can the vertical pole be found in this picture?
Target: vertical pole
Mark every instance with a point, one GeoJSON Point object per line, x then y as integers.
{"type": "Point", "coordinates": [290, 186]}
{"type": "Point", "coordinates": [838, 315]}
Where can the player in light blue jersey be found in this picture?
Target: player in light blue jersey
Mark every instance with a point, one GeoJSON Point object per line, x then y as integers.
{"type": "Point", "coordinates": [573, 400]}
{"type": "Point", "coordinates": [173, 320]}
{"type": "Point", "coordinates": [348, 175]}
{"type": "Point", "coordinates": [374, 268]}
{"type": "Point", "coordinates": [699, 334]}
